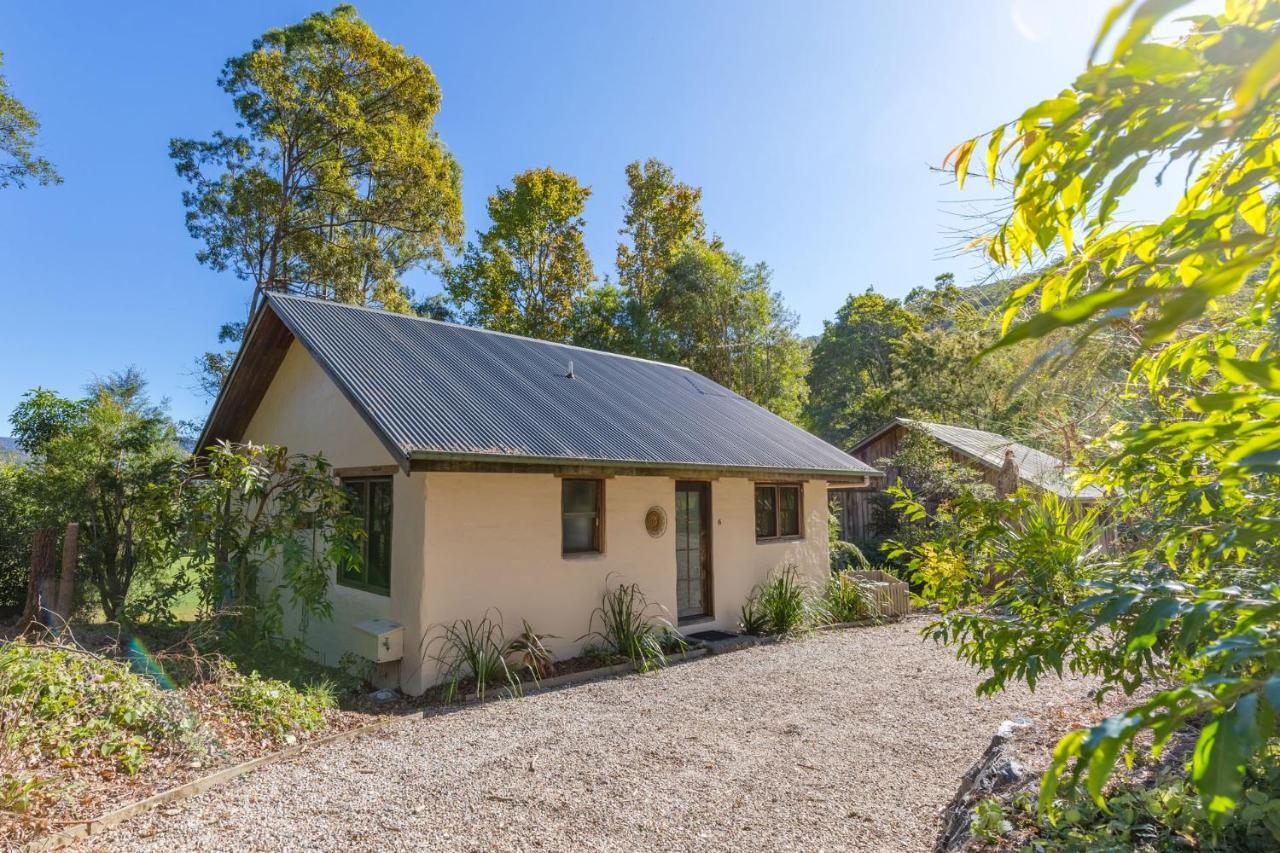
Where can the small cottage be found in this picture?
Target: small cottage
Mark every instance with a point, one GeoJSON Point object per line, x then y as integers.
{"type": "Point", "coordinates": [1004, 464]}
{"type": "Point", "coordinates": [500, 474]}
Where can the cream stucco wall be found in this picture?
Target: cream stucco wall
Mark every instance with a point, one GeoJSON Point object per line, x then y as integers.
{"type": "Point", "coordinates": [493, 546]}
{"type": "Point", "coordinates": [304, 411]}
{"type": "Point", "coordinates": [464, 544]}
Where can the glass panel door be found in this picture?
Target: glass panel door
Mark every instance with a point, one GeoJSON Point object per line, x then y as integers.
{"type": "Point", "coordinates": [693, 550]}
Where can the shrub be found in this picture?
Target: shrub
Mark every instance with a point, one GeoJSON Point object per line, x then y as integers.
{"type": "Point", "coordinates": [64, 703]}
{"type": "Point", "coordinates": [530, 651]}
{"type": "Point", "coordinates": [15, 539]}
{"type": "Point", "coordinates": [846, 555]}
{"type": "Point", "coordinates": [273, 708]}
{"type": "Point", "coordinates": [476, 651]}
{"type": "Point", "coordinates": [848, 598]}
{"type": "Point", "coordinates": [989, 823]}
{"type": "Point", "coordinates": [1162, 815]}
{"type": "Point", "coordinates": [628, 629]}
{"type": "Point", "coordinates": [784, 602]}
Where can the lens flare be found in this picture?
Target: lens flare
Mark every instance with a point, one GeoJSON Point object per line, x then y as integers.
{"type": "Point", "coordinates": [143, 662]}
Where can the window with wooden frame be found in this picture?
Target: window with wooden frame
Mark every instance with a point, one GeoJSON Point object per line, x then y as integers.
{"type": "Point", "coordinates": [371, 502]}
{"type": "Point", "coordinates": [581, 516]}
{"type": "Point", "coordinates": [779, 509]}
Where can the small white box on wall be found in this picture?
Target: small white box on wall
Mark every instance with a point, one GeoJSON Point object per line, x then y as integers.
{"type": "Point", "coordinates": [379, 640]}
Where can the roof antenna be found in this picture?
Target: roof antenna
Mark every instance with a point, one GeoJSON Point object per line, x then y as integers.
{"type": "Point", "coordinates": [570, 375]}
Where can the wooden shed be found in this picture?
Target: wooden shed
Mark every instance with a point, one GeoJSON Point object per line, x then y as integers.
{"type": "Point", "coordinates": [986, 452]}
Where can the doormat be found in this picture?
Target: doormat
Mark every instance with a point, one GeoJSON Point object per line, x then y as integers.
{"type": "Point", "coordinates": [712, 636]}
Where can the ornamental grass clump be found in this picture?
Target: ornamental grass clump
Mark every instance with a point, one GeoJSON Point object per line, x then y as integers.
{"type": "Point", "coordinates": [784, 604]}
{"type": "Point", "coordinates": [475, 651]}
{"type": "Point", "coordinates": [628, 628]}
{"type": "Point", "coordinates": [848, 598]}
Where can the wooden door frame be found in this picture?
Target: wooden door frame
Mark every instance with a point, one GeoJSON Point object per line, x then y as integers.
{"type": "Point", "coordinates": [708, 574]}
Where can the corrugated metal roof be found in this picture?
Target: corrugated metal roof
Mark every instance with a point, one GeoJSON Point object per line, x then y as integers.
{"type": "Point", "coordinates": [439, 389]}
{"type": "Point", "coordinates": [1034, 466]}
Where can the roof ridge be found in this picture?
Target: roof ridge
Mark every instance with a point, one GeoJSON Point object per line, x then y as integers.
{"type": "Point", "coordinates": [275, 294]}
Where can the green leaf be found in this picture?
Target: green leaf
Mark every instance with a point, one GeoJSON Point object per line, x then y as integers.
{"type": "Point", "coordinates": [993, 153]}
{"type": "Point", "coordinates": [1108, 23]}
{"type": "Point", "coordinates": [1254, 208]}
{"type": "Point", "coordinates": [1101, 747]}
{"type": "Point", "coordinates": [1258, 80]}
{"type": "Point", "coordinates": [1144, 18]}
{"type": "Point", "coordinates": [1075, 312]}
{"type": "Point", "coordinates": [1265, 374]}
{"type": "Point", "coordinates": [1223, 748]}
{"type": "Point", "coordinates": [1154, 619]}
{"type": "Point", "coordinates": [1117, 607]}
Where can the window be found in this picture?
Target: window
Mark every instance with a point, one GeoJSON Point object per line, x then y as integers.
{"type": "Point", "coordinates": [371, 501]}
{"type": "Point", "coordinates": [581, 504]}
{"type": "Point", "coordinates": [778, 511]}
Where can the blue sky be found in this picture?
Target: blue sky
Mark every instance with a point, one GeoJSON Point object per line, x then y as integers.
{"type": "Point", "coordinates": [810, 127]}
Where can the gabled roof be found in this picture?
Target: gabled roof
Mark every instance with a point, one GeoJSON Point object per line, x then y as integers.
{"type": "Point", "coordinates": [987, 448]}
{"type": "Point", "coordinates": [440, 391]}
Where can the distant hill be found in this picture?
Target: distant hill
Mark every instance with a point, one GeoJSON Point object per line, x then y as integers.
{"type": "Point", "coordinates": [9, 450]}
{"type": "Point", "coordinates": [991, 295]}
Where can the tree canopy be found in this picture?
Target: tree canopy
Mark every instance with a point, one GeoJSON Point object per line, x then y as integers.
{"type": "Point", "coordinates": [720, 316]}
{"type": "Point", "coordinates": [337, 183]}
{"type": "Point", "coordinates": [662, 218]}
{"type": "Point", "coordinates": [108, 461]}
{"type": "Point", "coordinates": [528, 270]}
{"type": "Point", "coordinates": [18, 129]}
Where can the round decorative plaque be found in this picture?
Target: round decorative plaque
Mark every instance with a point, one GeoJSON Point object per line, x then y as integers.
{"type": "Point", "coordinates": [655, 521]}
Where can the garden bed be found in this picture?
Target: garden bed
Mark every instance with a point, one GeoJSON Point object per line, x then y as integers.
{"type": "Point", "coordinates": [84, 735]}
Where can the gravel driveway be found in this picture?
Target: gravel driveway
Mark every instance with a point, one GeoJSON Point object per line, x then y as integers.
{"type": "Point", "coordinates": [849, 739]}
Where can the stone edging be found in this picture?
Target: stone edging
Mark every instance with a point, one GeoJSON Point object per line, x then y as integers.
{"type": "Point", "coordinates": [95, 826]}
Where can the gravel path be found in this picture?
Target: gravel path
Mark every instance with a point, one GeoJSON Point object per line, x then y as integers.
{"type": "Point", "coordinates": [848, 739]}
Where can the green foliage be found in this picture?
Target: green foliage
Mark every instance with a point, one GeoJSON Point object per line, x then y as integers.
{"type": "Point", "coordinates": [213, 368]}
{"type": "Point", "coordinates": [720, 316]}
{"type": "Point", "coordinates": [16, 525]}
{"type": "Point", "coordinates": [1166, 814]}
{"type": "Point", "coordinates": [258, 525]}
{"type": "Point", "coordinates": [752, 619]}
{"type": "Point", "coordinates": [629, 629]}
{"type": "Point", "coordinates": [852, 367]}
{"type": "Point", "coordinates": [531, 266]}
{"type": "Point", "coordinates": [663, 218]}
{"type": "Point", "coordinates": [64, 704]}
{"type": "Point", "coordinates": [930, 472]}
{"type": "Point", "coordinates": [882, 358]}
{"type": "Point", "coordinates": [784, 604]}
{"type": "Point", "coordinates": [1006, 575]}
{"type": "Point", "coordinates": [18, 128]}
{"type": "Point", "coordinates": [1193, 596]}
{"type": "Point", "coordinates": [337, 183]}
{"type": "Point", "coordinates": [20, 790]}
{"type": "Point", "coordinates": [273, 708]}
{"type": "Point", "coordinates": [109, 462]}
{"type": "Point", "coordinates": [989, 824]}
{"type": "Point", "coordinates": [846, 555]}
{"type": "Point", "coordinates": [475, 652]}
{"type": "Point", "coordinates": [529, 648]}
{"type": "Point", "coordinates": [847, 598]}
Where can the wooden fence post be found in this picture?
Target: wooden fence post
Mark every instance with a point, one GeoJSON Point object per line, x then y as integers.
{"type": "Point", "coordinates": [40, 586]}
{"type": "Point", "coordinates": [67, 583]}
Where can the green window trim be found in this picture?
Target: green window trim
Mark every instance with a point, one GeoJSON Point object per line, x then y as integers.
{"type": "Point", "coordinates": [371, 501]}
